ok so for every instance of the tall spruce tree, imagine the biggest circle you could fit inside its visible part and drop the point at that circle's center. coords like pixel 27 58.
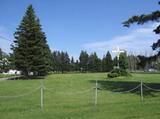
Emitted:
pixel 30 49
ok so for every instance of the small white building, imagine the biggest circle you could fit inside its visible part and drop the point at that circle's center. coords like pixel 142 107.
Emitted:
pixel 12 72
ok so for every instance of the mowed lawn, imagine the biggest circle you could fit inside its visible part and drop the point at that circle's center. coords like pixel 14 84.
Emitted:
pixel 72 96
pixel 5 75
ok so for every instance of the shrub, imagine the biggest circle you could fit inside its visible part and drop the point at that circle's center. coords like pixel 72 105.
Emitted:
pixel 118 72
pixel 113 75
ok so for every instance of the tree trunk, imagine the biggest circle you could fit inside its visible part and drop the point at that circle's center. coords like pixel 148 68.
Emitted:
pixel 26 76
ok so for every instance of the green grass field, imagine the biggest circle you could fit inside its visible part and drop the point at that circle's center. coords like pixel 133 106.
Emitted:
pixel 5 75
pixel 71 96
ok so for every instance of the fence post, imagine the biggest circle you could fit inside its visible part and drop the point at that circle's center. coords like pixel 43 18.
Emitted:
pixel 41 95
pixel 96 94
pixel 141 91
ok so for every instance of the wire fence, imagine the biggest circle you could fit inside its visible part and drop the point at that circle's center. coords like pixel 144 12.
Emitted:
pixel 69 94
pixel 92 91
pixel 153 89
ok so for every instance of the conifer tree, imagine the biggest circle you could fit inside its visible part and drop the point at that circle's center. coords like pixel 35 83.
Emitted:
pixel 123 61
pixel 72 64
pixel 30 49
pixel 107 63
pixel 83 58
pixel 94 63
pixel 77 67
pixel 145 18
pixel 67 62
pixel 0 54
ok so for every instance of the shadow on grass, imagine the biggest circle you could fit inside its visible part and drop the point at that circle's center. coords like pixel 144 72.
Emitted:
pixel 123 86
pixel 24 78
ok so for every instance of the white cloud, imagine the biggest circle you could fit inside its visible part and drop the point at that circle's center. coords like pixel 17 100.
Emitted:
pixel 137 41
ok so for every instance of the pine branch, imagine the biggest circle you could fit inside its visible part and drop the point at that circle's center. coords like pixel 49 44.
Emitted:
pixel 140 20
pixel 157 30
pixel 156 45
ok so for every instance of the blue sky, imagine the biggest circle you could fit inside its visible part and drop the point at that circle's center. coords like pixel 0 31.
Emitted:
pixel 75 25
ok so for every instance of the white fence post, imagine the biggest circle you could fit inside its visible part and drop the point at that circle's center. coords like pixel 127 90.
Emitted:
pixel 96 94
pixel 141 91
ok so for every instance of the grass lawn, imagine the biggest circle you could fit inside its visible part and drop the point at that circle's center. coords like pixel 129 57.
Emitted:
pixel 71 96
pixel 5 75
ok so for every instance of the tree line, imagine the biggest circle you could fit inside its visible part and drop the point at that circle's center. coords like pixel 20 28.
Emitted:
pixel 62 62
pixel 86 63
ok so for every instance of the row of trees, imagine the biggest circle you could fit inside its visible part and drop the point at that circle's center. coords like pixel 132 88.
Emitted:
pixel 61 62
pixel 87 62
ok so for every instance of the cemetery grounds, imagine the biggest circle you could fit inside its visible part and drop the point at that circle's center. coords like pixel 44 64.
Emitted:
pixel 78 96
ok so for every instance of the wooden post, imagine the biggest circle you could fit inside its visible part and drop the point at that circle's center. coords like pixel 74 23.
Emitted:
pixel 141 91
pixel 96 94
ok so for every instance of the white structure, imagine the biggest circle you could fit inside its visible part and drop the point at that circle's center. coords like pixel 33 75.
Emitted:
pixel 13 72
pixel 118 51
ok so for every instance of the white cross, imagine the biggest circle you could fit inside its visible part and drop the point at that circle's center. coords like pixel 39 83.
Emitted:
pixel 118 51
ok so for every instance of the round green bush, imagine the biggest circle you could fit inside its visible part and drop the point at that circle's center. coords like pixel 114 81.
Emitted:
pixel 118 72
pixel 112 75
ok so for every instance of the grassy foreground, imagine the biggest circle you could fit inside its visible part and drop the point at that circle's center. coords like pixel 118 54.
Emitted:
pixel 5 75
pixel 71 96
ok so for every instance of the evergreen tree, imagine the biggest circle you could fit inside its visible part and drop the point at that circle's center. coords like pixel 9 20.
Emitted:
pixel 72 60
pixel 94 63
pixel 107 63
pixel 0 54
pixel 55 61
pixel 30 49
pixel 143 61
pixel 72 64
pixel 62 62
pixel 12 61
pixel 77 68
pixel 144 18
pixel 83 58
pixel 123 61
pixel 115 62
pixel 67 62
